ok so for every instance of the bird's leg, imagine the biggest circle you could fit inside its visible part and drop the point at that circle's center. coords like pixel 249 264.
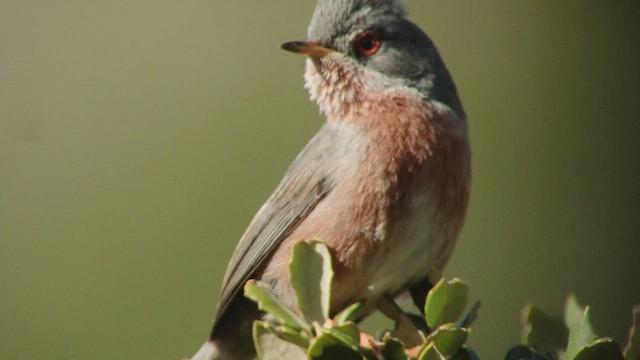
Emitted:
pixel 393 311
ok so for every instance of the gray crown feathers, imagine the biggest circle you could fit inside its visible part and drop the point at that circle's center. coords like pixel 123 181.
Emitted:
pixel 331 16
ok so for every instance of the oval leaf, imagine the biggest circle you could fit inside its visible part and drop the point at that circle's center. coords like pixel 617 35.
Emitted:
pixel 446 302
pixel 581 332
pixel 351 313
pixel 601 349
pixel 349 329
pixel 327 347
pixel 311 274
pixel 267 302
pixel 298 337
pixel 448 339
pixel 270 347
pixel 541 330
pixel 393 349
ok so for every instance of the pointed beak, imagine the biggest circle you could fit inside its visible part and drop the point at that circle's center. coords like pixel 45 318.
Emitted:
pixel 308 48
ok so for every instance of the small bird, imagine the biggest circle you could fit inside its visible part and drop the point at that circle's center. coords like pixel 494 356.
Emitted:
pixel 384 183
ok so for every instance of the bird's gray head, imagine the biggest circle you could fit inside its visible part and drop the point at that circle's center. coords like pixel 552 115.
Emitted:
pixel 374 35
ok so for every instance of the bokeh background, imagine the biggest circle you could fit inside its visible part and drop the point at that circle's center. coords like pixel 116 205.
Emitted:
pixel 138 138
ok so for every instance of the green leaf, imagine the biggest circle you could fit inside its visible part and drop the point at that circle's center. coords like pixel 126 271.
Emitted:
pixel 349 329
pixel 345 339
pixel 448 338
pixel 446 302
pixel 393 349
pixel 311 274
pixel 430 353
pixel 632 350
pixel 601 349
pixel 269 346
pixel 541 330
pixel 351 313
pixel 262 295
pixel 298 337
pixel 328 347
pixel 581 332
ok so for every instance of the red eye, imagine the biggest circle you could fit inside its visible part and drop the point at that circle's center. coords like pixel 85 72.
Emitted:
pixel 367 43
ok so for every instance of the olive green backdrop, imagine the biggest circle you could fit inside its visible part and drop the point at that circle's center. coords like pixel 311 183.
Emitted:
pixel 138 138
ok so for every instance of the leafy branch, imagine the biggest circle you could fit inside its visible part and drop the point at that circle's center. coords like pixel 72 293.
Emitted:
pixel 313 334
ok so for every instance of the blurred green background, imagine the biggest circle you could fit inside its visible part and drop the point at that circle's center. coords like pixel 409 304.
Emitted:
pixel 138 138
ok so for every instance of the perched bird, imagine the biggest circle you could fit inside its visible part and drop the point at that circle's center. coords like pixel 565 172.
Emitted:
pixel 384 182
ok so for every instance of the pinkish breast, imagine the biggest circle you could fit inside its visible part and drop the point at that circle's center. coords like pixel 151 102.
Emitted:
pixel 401 192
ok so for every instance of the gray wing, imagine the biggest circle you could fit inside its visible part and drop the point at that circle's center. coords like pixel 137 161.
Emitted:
pixel 304 185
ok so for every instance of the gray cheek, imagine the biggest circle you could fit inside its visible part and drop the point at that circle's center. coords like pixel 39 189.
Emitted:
pixel 395 63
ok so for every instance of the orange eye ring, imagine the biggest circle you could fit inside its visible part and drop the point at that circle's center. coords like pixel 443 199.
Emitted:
pixel 367 43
